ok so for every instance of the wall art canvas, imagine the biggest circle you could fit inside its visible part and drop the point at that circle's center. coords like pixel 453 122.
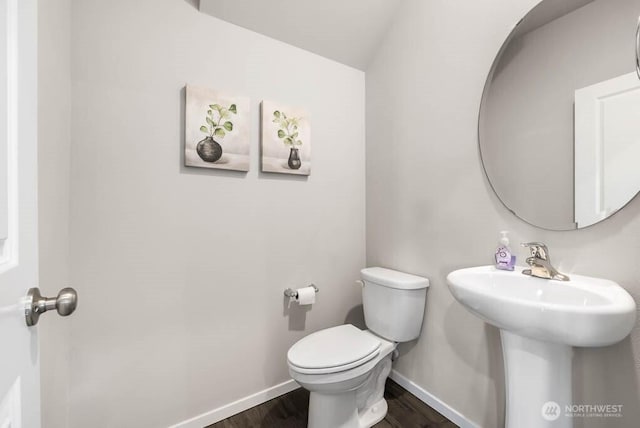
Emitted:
pixel 286 139
pixel 217 133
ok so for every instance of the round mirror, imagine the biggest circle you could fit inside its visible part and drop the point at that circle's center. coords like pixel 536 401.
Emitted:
pixel 559 127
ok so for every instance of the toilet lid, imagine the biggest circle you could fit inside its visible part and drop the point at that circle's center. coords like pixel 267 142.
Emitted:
pixel 333 349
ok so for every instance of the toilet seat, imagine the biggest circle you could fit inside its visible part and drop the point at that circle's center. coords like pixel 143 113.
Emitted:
pixel 333 350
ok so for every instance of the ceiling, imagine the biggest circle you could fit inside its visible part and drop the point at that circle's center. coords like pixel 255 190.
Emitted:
pixel 347 31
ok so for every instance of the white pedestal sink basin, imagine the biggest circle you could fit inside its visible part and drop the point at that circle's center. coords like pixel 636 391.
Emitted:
pixel 539 321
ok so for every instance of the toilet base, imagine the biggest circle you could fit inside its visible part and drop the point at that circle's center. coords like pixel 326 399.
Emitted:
pixel 339 411
pixel 359 407
pixel 333 410
pixel 373 414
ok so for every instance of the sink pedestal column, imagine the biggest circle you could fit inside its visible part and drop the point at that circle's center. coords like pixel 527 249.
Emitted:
pixel 537 375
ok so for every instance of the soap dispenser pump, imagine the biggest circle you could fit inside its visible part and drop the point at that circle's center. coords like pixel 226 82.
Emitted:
pixel 505 259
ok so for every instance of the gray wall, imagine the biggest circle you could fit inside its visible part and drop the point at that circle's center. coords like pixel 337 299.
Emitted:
pixel 430 209
pixel 527 141
pixel 181 271
pixel 54 131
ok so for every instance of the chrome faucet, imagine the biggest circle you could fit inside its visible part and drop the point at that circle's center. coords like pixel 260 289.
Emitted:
pixel 540 263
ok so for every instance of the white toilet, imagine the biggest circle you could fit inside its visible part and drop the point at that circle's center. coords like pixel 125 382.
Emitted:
pixel 345 368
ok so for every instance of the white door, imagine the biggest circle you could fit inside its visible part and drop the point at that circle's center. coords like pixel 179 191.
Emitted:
pixel 19 362
pixel 607 147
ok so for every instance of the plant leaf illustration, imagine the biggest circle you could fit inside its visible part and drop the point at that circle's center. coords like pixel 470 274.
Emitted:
pixel 288 128
pixel 216 125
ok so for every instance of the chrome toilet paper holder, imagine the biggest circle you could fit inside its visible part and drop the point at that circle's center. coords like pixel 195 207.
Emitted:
pixel 293 294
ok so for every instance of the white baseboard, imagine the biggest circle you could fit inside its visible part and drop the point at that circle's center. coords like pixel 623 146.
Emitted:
pixel 432 401
pixel 216 415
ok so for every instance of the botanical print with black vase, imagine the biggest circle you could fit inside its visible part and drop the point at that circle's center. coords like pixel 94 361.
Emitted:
pixel 286 142
pixel 217 133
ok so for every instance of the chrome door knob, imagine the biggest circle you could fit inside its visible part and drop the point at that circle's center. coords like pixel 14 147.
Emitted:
pixel 65 303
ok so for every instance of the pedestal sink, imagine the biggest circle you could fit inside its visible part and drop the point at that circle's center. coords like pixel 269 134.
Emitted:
pixel 539 321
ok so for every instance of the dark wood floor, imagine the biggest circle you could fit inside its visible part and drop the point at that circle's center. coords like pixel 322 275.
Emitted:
pixel 290 411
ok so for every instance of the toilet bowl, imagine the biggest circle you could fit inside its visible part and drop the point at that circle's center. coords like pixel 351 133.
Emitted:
pixel 345 368
pixel 346 388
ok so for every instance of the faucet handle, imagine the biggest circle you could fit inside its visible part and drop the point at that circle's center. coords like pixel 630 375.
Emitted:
pixel 538 249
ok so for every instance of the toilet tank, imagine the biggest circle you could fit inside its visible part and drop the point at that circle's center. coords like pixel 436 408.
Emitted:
pixel 394 303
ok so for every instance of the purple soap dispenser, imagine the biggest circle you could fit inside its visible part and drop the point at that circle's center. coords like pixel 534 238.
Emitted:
pixel 505 259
